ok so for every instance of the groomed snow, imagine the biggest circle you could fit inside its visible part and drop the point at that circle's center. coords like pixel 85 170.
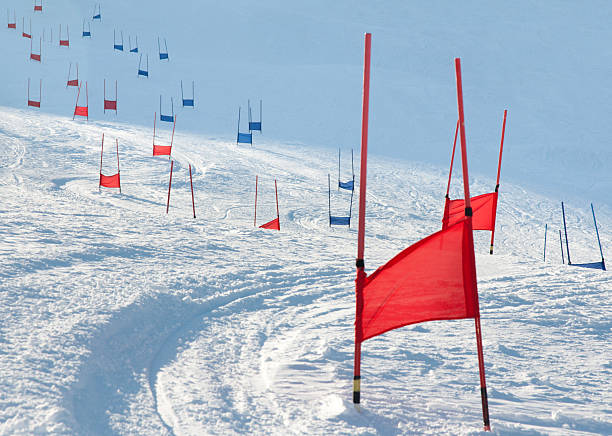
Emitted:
pixel 117 318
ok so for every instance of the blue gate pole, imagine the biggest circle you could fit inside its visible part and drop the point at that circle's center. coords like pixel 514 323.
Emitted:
pixel 569 262
pixel 545 231
pixel 561 242
pixel 603 263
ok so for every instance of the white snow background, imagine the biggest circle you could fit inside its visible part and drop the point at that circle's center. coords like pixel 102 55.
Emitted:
pixel 116 318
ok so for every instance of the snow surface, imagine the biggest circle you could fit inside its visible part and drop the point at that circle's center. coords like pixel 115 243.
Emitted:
pixel 116 318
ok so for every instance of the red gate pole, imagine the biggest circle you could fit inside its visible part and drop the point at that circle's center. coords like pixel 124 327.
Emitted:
pixel 28 91
pixel 501 149
pixel 118 169
pixel 104 95
pixel 116 98
pixel 101 154
pixel 359 263
pixel 277 214
pixel 192 197
pixel 173 127
pixel 255 219
pixel 154 118
pixel 77 102
pixel 169 186
pixel 87 100
pixel 468 214
pixel 40 91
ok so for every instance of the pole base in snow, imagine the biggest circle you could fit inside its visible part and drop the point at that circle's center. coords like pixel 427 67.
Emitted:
pixel 356 389
pixel 487 428
pixel 491 250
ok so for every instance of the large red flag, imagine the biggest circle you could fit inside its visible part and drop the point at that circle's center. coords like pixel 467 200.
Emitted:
pixel 434 279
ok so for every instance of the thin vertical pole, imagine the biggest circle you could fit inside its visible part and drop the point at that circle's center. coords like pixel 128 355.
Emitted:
pixel 501 149
pixel 116 98
pixel 192 197
pixel 329 197
pixel 40 91
pixel 118 168
pixel 182 96
pixel 77 101
pixel 28 91
pixel 468 214
pixel 338 168
pixel 359 261
pixel 193 92
pixel 154 119
pixel 255 218
pixel 67 80
pixel 249 111
pixel 561 242
pixel 238 130
pixel 603 263
pixel 545 231
pixel 450 171
pixel 101 154
pixel 569 262
pixel 105 95
pixel 169 186
pixel 87 100
pixel 277 213
pixel 353 169
pixel 173 128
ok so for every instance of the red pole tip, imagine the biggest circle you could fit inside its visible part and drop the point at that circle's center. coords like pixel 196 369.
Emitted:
pixel 487 428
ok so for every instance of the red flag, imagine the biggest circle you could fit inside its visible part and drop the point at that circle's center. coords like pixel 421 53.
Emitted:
pixel 110 181
pixel 272 225
pixel 484 209
pixel 434 279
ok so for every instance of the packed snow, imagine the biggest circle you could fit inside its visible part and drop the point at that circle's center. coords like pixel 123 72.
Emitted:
pixel 117 318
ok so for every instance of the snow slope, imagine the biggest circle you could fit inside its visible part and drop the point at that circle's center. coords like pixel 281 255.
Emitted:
pixel 120 319
pixel 116 318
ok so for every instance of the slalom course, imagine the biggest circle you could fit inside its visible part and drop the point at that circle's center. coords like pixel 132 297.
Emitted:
pixel 64 42
pixel 594 265
pixel 109 104
pixel 36 56
pixel 407 290
pixel 82 111
pixel 255 125
pixel 24 34
pixel 188 102
pixel 113 181
pixel 163 54
pixel 143 72
pixel 116 45
pixel 190 184
pixel 162 150
pixel 275 223
pixel 72 82
pixel 484 207
pixel 35 103
pixel 243 138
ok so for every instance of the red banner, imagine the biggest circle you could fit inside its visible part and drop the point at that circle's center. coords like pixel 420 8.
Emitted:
pixel 110 181
pixel 484 209
pixel 434 279
pixel 272 225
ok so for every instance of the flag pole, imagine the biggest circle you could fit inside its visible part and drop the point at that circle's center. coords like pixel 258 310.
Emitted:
pixel 468 214
pixel 192 197
pixel 255 218
pixel 359 263
pixel 569 262
pixel 501 149
pixel 277 212
pixel 545 231
pixel 169 186
pixel 450 173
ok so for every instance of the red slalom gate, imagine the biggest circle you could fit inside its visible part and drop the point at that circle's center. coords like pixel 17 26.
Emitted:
pixel 275 223
pixel 113 181
pixel 82 111
pixel 34 103
pixel 190 183
pixel 110 104
pixel 162 150
pixel 36 56
pixel 434 279
pixel 73 82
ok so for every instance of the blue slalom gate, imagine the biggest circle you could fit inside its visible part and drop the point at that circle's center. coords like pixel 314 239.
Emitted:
pixel 593 265
pixel 97 15
pixel 116 45
pixel 166 118
pixel 163 54
pixel 255 125
pixel 141 72
pixel 188 102
pixel 86 32
pixel 350 184
pixel 133 49
pixel 243 138
pixel 338 220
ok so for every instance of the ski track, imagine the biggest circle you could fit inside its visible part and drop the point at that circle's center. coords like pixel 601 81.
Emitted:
pixel 130 321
